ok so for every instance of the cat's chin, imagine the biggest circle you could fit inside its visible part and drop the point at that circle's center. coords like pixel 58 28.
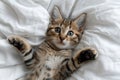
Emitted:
pixel 63 46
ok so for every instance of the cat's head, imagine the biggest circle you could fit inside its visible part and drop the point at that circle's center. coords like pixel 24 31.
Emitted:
pixel 65 33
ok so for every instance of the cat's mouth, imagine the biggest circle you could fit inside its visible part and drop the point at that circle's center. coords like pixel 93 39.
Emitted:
pixel 61 42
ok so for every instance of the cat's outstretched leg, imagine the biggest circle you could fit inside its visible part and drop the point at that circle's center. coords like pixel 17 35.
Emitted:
pixel 71 65
pixel 25 49
pixel 85 55
pixel 20 43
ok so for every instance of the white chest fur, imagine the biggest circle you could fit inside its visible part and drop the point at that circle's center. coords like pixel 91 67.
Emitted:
pixel 53 62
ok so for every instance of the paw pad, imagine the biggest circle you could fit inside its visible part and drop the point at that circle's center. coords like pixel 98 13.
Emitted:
pixel 16 43
pixel 86 55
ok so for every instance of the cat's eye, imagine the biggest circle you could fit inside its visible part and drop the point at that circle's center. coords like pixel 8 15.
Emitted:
pixel 70 33
pixel 57 29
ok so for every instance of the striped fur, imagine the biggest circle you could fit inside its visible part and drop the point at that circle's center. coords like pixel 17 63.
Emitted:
pixel 53 59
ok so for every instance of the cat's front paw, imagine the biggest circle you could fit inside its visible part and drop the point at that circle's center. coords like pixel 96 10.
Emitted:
pixel 87 54
pixel 19 42
pixel 16 42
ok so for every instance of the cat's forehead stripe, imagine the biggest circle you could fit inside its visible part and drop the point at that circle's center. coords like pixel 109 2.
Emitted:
pixel 66 23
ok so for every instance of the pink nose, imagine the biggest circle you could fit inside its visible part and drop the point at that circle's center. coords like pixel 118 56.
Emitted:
pixel 62 38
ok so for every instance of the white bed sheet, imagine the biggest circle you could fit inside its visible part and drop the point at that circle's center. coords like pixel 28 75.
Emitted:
pixel 29 19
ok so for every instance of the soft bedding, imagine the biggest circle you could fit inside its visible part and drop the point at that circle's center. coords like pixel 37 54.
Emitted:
pixel 30 18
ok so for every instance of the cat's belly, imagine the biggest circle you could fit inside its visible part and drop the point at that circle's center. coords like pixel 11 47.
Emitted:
pixel 53 62
pixel 51 67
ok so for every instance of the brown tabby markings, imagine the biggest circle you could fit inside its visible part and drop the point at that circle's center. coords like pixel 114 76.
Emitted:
pixel 65 25
pixel 52 59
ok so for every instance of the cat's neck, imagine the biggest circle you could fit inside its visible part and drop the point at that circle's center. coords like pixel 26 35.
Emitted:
pixel 52 46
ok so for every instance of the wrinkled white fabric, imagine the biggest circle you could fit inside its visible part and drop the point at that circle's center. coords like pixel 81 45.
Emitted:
pixel 29 19
pixel 19 17
pixel 102 33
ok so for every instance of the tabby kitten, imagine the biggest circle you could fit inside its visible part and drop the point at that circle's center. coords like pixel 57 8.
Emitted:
pixel 53 59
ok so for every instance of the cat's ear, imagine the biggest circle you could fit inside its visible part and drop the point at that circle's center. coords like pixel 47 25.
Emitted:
pixel 56 14
pixel 80 21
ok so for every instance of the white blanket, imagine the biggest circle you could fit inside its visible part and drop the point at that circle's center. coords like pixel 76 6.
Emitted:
pixel 29 18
